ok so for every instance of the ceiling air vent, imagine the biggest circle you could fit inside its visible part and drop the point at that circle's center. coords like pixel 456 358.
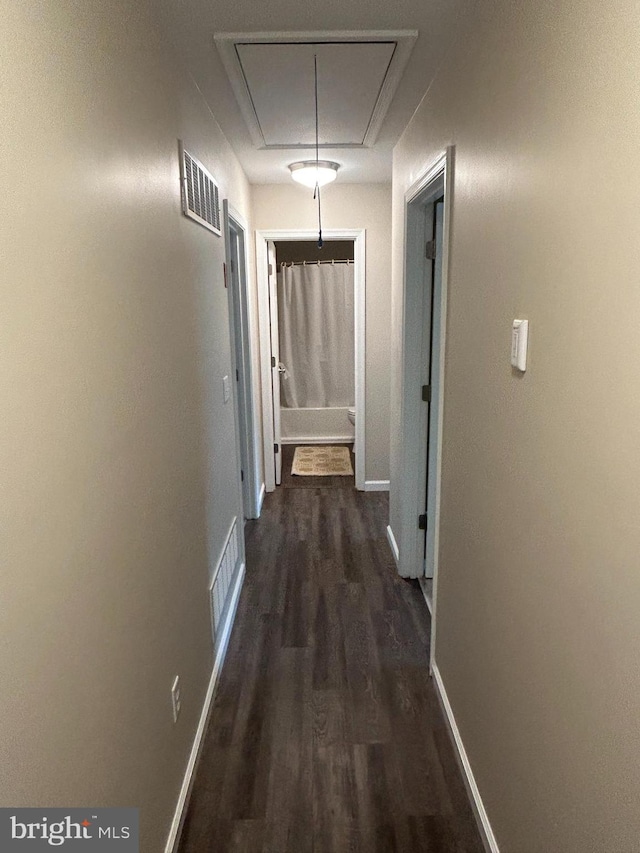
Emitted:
pixel 200 193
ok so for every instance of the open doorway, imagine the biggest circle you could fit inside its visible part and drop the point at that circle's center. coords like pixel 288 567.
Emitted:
pixel 318 397
pixel 315 302
pixel 427 210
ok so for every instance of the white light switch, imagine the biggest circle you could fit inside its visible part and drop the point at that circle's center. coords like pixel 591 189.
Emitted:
pixel 226 389
pixel 519 340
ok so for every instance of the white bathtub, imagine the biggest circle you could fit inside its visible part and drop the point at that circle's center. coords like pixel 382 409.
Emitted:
pixel 316 426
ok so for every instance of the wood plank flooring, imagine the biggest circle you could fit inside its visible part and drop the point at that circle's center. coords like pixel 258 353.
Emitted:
pixel 326 735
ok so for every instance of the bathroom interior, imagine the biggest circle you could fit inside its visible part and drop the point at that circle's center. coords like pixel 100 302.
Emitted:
pixel 315 292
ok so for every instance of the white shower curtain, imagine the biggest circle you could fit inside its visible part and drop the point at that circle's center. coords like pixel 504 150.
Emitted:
pixel 315 316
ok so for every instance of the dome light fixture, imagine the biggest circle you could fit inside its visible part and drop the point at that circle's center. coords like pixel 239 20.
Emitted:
pixel 314 173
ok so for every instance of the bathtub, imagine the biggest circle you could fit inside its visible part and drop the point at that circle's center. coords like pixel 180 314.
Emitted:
pixel 316 426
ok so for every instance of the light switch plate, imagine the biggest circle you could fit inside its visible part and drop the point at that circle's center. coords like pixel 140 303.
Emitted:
pixel 226 389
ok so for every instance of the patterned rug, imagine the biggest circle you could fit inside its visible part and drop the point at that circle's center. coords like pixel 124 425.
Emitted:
pixel 322 461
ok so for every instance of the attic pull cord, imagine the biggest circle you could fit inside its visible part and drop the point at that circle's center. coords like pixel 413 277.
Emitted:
pixel 316 192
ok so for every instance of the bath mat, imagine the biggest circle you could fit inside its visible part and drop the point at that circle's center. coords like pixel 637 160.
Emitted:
pixel 322 461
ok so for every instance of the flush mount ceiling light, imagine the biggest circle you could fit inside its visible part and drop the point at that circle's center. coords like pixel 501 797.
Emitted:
pixel 314 173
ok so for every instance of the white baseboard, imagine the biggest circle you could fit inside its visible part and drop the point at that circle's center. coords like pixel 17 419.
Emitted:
pixel 187 782
pixel 376 485
pixel 428 600
pixel 488 838
pixel 263 491
pixel 393 545
pixel 316 439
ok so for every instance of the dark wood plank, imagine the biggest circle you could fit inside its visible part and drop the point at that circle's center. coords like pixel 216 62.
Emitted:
pixel 326 735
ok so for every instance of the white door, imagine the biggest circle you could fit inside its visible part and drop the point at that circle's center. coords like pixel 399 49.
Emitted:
pixel 275 360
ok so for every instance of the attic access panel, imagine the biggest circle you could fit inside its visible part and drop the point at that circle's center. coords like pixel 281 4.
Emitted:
pixel 273 79
pixel 281 84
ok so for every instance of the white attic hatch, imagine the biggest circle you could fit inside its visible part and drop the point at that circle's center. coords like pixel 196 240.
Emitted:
pixel 272 75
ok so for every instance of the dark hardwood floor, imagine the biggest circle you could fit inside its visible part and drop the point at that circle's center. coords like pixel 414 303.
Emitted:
pixel 326 735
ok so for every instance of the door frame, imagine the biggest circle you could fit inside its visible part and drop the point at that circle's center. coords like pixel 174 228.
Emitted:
pixel 241 325
pixel 358 235
pixel 435 181
pixel 274 340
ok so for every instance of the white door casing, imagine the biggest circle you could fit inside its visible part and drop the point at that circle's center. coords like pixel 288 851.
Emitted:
pixel 274 338
pixel 241 320
pixel 435 182
pixel 262 240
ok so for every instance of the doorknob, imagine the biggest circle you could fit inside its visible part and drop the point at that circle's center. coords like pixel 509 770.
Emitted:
pixel 281 368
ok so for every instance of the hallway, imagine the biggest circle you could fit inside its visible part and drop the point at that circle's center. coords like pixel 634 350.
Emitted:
pixel 326 734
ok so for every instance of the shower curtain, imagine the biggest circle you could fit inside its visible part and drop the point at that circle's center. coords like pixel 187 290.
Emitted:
pixel 315 316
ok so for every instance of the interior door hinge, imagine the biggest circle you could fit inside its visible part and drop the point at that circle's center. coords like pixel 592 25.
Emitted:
pixel 237 375
pixel 276 448
pixel 270 269
pixel 431 250
pixel 426 393
pixel 273 361
pixel 422 522
pixel 241 476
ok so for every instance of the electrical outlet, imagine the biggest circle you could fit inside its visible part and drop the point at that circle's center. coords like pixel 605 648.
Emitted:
pixel 176 698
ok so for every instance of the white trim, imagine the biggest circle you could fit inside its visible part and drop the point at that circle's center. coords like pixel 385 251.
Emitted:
pixel 429 176
pixel 264 336
pixel 393 544
pixel 358 235
pixel 488 838
pixel 423 587
pixel 263 492
pixel 416 346
pixel 317 439
pixel 274 339
pixel 436 180
pixel 448 167
pixel 244 327
pixel 360 335
pixel 376 485
pixel 189 775
pixel 404 39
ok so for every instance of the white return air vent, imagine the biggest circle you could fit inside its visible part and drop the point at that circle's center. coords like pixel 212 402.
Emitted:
pixel 200 193
pixel 222 579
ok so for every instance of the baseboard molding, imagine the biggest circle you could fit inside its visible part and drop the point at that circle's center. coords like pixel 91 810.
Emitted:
pixel 393 545
pixel 376 485
pixel 221 651
pixel 263 491
pixel 488 838
pixel 428 601
pixel 314 439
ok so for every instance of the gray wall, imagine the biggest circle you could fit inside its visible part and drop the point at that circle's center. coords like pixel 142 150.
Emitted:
pixel 538 633
pixel 114 343
pixel 284 206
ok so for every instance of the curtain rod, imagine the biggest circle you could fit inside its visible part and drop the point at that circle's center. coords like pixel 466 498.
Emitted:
pixel 313 263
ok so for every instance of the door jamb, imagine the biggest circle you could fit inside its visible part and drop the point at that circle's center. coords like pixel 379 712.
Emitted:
pixel 243 325
pixel 358 237
pixel 436 180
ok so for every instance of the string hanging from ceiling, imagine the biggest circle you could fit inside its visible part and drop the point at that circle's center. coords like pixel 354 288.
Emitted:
pixel 317 189
pixel 315 173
